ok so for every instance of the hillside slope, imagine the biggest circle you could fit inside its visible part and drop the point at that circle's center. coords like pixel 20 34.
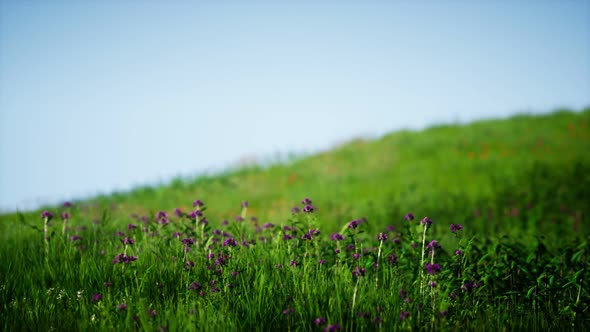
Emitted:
pixel 491 175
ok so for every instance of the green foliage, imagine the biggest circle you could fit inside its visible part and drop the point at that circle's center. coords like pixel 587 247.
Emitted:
pixel 520 188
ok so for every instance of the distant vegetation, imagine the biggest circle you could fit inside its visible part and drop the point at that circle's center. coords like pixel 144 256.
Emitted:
pixel 499 240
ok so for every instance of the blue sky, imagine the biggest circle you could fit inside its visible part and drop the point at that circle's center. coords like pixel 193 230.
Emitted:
pixel 102 96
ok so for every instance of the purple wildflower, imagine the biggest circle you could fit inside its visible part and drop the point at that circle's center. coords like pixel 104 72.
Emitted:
pixel 68 204
pixel 225 222
pixel 47 215
pixel 288 311
pixel 239 218
pixel 287 237
pixel 188 241
pixel 162 218
pixel 127 241
pixel 65 216
pixel 403 315
pixel 306 201
pixel 458 252
pixel 409 217
pixel 319 321
pixel 230 241
pixel 122 307
pixel 354 224
pixel 178 213
pixel 293 263
pixel 432 284
pixel 333 327
pixel 336 237
pixel 392 259
pixel 356 256
pixel 322 261
pixel 443 313
pixel 195 214
pixel 433 245
pixel 96 297
pixel 390 228
pixel 198 203
pixel 75 238
pixel 432 268
pixel 131 226
pixel 195 286
pixel 426 221
pixel 268 225
pixel 152 312
pixel 309 235
pixel 295 210
pixel 359 271
pixel 308 209
pixel 245 204
pixel 382 237
pixel 456 227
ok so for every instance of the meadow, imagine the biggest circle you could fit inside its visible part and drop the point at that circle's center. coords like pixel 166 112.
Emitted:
pixel 482 226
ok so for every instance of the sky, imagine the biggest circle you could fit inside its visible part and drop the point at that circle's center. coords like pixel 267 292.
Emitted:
pixel 102 96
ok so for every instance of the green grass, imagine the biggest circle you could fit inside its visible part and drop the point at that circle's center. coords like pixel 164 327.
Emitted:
pixel 519 186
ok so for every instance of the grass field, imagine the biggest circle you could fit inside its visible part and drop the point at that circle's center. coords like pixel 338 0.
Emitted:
pixel 481 226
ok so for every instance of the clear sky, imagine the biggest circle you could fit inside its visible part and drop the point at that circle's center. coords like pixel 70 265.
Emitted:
pixel 98 96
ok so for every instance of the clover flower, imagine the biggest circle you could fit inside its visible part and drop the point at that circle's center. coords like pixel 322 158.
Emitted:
pixel 295 210
pixel 121 307
pixel 198 203
pixel 306 201
pixel 65 216
pixel 382 237
pixel 96 297
pixel 409 217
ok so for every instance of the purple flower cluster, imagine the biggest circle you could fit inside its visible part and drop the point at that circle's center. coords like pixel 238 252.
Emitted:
pixel 409 217
pixel 47 215
pixel 432 268
pixel 456 227
pixel 198 203
pixel 426 222
pixel 122 307
pixel 382 237
pixel 127 241
pixel 337 237
pixel 355 223
pixel 359 271
pixel 432 246
pixel 162 218
pixel 309 235
pixel 122 258
pixel 195 286
pixel 65 216
pixel 333 327
pixel 403 315
pixel 96 297
pixel 319 321
pixel 229 242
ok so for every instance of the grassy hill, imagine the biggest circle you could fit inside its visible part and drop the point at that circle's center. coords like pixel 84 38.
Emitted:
pixel 520 188
pixel 476 174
